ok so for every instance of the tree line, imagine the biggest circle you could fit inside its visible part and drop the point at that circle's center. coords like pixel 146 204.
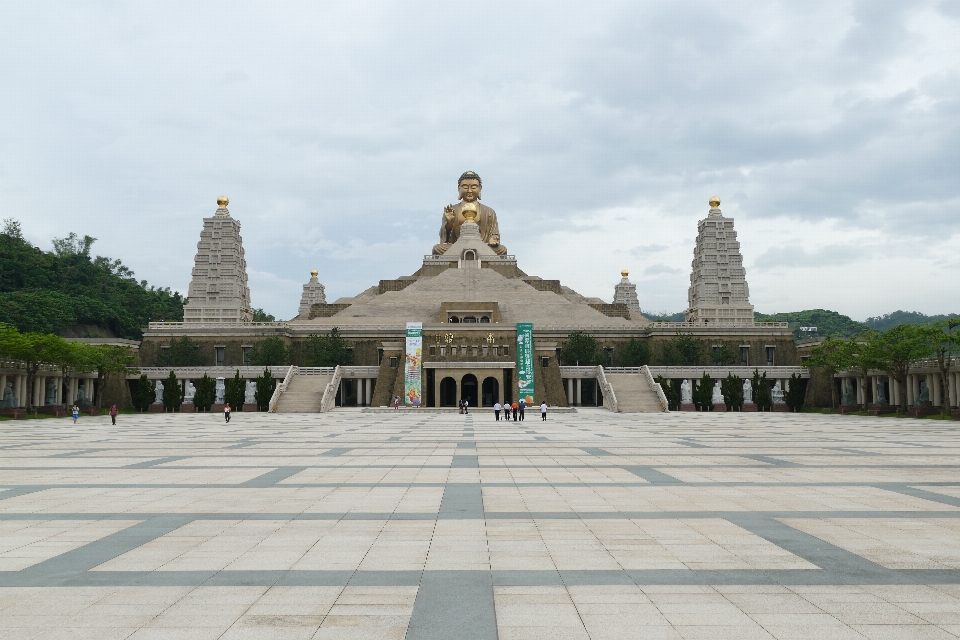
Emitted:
pixel 326 350
pixel 895 352
pixel 57 291
pixel 33 350
pixel 681 350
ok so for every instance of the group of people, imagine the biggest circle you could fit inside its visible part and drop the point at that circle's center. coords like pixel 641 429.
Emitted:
pixel 517 408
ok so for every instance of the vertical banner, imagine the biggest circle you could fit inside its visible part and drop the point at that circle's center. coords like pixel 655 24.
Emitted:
pixel 525 362
pixel 412 390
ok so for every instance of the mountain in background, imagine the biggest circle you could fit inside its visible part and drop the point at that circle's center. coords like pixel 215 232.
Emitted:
pixel 70 293
pixel 886 321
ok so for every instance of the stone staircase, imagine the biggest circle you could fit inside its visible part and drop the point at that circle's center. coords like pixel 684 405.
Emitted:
pixel 634 394
pixel 303 394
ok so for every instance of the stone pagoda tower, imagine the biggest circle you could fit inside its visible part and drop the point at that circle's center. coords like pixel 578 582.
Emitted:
pixel 313 293
pixel 218 291
pixel 718 286
pixel 626 293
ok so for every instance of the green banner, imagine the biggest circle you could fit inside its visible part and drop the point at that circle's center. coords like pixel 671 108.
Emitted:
pixel 412 391
pixel 525 362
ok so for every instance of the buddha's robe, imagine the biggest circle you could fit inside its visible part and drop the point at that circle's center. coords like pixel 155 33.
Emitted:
pixel 488 229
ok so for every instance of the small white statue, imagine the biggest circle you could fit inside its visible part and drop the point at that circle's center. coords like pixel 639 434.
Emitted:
pixel 881 393
pixel 82 398
pixel 747 392
pixel 158 391
pixel 924 394
pixel 249 393
pixel 686 395
pixel 51 393
pixel 776 394
pixel 221 391
pixel 717 393
pixel 849 396
pixel 191 391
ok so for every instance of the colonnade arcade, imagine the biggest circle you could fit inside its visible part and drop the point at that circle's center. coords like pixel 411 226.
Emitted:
pixel 880 388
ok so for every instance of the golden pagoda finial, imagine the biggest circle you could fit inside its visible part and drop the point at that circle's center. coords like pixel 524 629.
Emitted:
pixel 624 273
pixel 714 202
pixel 314 273
pixel 223 201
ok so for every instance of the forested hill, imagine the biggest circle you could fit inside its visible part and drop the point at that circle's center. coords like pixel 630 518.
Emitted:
pixel 70 293
pixel 828 323
pixel 888 320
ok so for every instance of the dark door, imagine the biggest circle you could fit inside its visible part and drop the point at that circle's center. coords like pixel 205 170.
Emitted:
pixel 491 391
pixel 468 389
pixel 448 392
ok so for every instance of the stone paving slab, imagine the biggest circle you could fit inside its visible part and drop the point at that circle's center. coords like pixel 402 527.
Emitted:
pixel 436 525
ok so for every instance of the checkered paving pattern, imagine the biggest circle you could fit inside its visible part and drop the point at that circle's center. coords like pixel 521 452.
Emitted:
pixel 424 525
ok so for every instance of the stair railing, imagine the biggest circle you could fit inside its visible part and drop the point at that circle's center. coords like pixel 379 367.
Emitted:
pixel 664 405
pixel 275 398
pixel 329 399
pixel 609 397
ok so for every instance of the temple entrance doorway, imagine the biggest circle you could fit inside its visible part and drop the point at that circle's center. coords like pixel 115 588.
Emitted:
pixel 468 390
pixel 448 392
pixel 490 391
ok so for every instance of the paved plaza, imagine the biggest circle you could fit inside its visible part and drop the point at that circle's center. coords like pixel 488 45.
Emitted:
pixel 426 525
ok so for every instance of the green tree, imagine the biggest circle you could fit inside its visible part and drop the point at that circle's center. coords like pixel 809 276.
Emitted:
pixel 181 352
pixel 172 393
pixel 259 315
pixel 796 392
pixel 683 349
pixel 144 394
pixel 328 350
pixel 33 350
pixel 265 388
pixel 108 359
pixel 732 389
pixel 761 390
pixel 270 352
pixel 864 355
pixel 897 349
pixel 671 391
pixel 636 353
pixel 703 393
pixel 236 386
pixel 581 350
pixel 724 354
pixel 205 394
pixel 830 356
pixel 943 342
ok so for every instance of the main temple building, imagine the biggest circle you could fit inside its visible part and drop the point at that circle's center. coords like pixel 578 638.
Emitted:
pixel 468 297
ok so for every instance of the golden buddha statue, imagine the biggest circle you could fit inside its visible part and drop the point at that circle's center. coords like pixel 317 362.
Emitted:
pixel 469 187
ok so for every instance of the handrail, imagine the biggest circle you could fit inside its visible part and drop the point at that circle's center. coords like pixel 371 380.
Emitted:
pixel 275 398
pixel 329 399
pixel 609 397
pixel 664 405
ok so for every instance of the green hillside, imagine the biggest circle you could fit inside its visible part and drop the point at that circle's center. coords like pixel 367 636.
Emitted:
pixel 888 320
pixel 828 323
pixel 68 292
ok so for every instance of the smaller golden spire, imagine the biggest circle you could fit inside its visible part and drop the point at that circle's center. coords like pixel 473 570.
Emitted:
pixel 469 211
pixel 624 273
pixel 223 201
pixel 714 202
pixel 314 273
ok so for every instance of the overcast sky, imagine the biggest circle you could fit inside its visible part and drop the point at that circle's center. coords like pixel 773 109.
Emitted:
pixel 830 130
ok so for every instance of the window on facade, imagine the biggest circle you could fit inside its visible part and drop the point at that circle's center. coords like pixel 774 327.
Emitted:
pixel 433 351
pixel 393 362
pixel 506 350
pixel 744 355
pixel 246 355
pixel 454 319
pixel 544 361
pixel 770 351
pixel 220 355
pixel 470 319
pixel 485 319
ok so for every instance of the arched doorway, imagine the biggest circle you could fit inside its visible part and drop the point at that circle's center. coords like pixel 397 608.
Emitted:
pixel 468 389
pixel 490 391
pixel 448 392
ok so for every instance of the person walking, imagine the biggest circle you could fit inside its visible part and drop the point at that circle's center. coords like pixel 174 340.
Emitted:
pixel 543 411
pixel 113 414
pixel 76 413
pixel 506 411
pixel 226 412
pixel 523 405
pixel 466 407
pixel 496 410
pixel 396 403
pixel 515 408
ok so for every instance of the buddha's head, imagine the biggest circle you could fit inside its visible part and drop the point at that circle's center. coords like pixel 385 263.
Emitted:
pixel 470 186
pixel 470 212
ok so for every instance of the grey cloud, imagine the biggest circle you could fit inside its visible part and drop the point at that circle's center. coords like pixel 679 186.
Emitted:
pixel 660 269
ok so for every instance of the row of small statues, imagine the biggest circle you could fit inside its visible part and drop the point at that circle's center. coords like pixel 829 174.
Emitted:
pixel 249 392
pixel 686 393
pixel 10 400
